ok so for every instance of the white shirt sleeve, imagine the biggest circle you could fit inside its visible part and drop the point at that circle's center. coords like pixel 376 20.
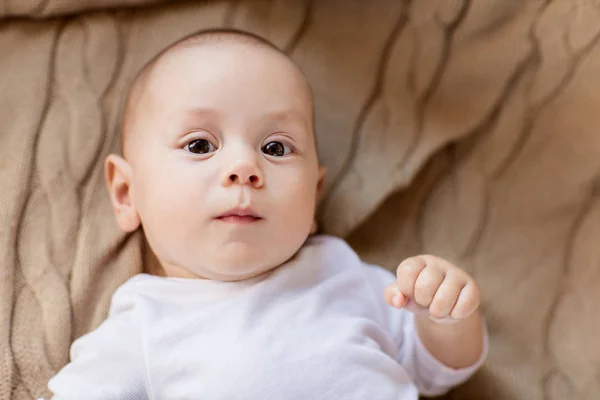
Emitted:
pixel 107 363
pixel 430 376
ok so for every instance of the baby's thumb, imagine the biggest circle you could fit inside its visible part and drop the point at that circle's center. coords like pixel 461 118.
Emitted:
pixel 394 297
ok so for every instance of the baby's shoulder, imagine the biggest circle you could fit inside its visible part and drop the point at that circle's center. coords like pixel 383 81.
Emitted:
pixel 138 283
pixel 336 255
pixel 132 292
pixel 330 248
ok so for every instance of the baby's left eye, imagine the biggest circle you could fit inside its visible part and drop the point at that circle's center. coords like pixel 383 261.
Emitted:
pixel 276 149
pixel 200 146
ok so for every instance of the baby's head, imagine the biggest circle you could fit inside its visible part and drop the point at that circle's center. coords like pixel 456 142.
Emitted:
pixel 219 158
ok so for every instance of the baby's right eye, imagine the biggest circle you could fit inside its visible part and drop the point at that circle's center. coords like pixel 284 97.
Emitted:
pixel 200 146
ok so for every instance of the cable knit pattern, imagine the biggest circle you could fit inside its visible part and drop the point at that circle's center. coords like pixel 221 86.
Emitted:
pixel 462 128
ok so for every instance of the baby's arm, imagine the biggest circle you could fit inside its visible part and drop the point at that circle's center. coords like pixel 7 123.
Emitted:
pixel 445 293
pixel 107 363
pixel 457 345
pixel 444 340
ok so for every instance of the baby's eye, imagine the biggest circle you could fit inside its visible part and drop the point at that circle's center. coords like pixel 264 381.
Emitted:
pixel 200 146
pixel 276 149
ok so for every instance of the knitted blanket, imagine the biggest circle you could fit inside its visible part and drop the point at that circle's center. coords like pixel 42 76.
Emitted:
pixel 468 129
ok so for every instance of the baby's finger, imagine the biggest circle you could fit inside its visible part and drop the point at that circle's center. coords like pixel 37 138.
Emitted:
pixel 427 284
pixel 407 274
pixel 445 298
pixel 467 303
pixel 393 296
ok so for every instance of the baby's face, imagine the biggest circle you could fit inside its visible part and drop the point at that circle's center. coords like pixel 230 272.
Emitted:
pixel 224 170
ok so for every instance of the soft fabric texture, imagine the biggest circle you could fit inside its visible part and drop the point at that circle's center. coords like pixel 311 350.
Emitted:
pixel 467 129
pixel 314 328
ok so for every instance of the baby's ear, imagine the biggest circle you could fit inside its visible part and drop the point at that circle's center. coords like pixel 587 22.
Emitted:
pixel 118 178
pixel 321 182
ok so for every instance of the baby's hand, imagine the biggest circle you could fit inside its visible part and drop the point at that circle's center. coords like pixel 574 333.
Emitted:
pixel 435 287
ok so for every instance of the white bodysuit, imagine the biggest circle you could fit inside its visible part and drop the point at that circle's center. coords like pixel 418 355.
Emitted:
pixel 316 327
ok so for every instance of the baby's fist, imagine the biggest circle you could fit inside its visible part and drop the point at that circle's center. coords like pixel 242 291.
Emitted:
pixel 433 284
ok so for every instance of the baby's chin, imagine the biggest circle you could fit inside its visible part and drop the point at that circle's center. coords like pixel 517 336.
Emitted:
pixel 228 260
pixel 235 276
pixel 229 272
pixel 238 266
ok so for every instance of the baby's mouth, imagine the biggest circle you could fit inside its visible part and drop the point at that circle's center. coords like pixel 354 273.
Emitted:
pixel 239 216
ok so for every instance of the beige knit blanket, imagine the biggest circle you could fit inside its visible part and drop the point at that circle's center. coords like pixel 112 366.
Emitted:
pixel 468 129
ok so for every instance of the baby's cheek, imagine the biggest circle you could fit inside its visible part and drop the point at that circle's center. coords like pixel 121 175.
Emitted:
pixel 295 218
pixel 298 201
pixel 168 212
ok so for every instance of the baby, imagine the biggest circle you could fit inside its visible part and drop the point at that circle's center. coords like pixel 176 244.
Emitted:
pixel 220 169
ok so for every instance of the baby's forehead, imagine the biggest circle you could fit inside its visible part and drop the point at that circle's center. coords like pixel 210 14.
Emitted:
pixel 156 80
pixel 237 57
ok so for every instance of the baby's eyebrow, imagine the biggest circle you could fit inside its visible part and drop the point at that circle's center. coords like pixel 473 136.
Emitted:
pixel 213 117
pixel 207 114
pixel 290 115
pixel 204 111
pixel 279 115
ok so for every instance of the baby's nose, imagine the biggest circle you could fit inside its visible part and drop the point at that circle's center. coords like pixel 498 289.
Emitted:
pixel 244 173
pixel 243 179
